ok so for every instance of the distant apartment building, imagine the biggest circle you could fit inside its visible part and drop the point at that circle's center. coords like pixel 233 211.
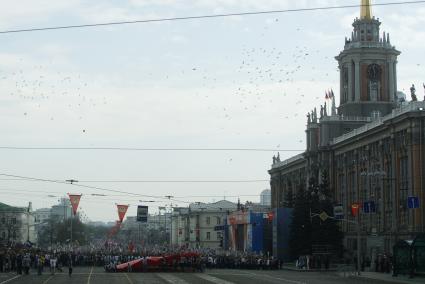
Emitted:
pixel 266 197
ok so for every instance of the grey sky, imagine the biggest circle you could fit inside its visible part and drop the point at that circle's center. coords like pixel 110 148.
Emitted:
pixel 241 82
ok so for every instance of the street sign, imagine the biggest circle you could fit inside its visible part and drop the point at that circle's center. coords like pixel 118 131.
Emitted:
pixel 339 212
pixel 412 202
pixel 142 214
pixel 369 207
pixel 323 216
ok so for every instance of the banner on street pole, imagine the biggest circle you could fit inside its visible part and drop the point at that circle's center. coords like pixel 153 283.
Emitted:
pixel 75 200
pixel 122 209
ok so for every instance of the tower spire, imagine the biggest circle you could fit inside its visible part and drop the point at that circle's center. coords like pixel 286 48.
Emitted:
pixel 366 10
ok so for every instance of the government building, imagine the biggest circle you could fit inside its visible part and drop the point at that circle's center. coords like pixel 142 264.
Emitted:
pixel 371 146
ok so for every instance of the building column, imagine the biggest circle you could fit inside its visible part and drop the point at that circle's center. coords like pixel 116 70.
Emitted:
pixel 350 82
pixel 391 81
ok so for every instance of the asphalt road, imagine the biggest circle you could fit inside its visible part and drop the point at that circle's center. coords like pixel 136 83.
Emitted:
pixel 96 275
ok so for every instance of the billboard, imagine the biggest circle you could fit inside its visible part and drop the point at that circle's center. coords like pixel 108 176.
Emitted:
pixel 142 213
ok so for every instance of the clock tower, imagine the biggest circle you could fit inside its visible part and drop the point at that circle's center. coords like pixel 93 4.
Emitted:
pixel 368 74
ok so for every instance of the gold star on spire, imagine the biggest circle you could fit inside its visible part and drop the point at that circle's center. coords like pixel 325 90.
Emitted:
pixel 366 10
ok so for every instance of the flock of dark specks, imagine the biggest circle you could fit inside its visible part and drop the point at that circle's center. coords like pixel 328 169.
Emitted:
pixel 260 68
pixel 37 85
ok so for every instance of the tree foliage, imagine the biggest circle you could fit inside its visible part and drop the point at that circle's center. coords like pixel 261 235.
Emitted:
pixel 307 229
pixel 59 232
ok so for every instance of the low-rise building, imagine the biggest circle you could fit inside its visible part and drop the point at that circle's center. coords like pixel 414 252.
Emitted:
pixel 201 224
pixel 17 224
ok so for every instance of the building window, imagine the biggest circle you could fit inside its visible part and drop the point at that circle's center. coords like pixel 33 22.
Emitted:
pixel 3 220
pixel 208 236
pixel 14 235
pixel 218 235
pixel 208 220
pixel 218 221
pixel 14 221
pixel 404 187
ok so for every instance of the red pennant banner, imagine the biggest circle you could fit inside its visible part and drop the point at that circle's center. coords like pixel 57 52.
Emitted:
pixel 122 209
pixel 355 209
pixel 75 200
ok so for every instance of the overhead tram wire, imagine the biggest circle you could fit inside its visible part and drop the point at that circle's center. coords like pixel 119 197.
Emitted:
pixel 94 187
pixel 105 189
pixel 82 186
pixel 144 181
pixel 115 197
pixel 186 18
pixel 175 181
pixel 154 149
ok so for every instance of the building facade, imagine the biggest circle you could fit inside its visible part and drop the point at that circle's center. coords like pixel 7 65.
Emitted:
pixel 17 224
pixel 371 146
pixel 201 224
pixel 265 197
pixel 63 210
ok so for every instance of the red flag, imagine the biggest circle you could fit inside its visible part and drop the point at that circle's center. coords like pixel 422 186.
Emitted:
pixel 122 209
pixel 270 216
pixel 75 200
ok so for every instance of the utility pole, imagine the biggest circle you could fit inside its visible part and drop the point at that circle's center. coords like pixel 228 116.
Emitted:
pixel 71 181
pixel 171 225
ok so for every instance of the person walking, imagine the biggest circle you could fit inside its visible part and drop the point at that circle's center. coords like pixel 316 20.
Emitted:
pixel 53 262
pixel 39 264
pixel 70 265
pixel 26 262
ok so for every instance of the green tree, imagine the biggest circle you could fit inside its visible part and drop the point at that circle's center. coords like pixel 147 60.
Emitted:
pixel 300 229
pixel 308 231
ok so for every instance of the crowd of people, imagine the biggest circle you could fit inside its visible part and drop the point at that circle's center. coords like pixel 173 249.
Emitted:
pixel 23 260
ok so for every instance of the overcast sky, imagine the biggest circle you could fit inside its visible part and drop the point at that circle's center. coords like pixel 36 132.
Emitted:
pixel 237 82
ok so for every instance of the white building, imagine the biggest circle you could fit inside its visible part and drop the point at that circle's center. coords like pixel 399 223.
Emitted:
pixel 266 197
pixel 62 211
pixel 42 215
pixel 17 224
pixel 199 225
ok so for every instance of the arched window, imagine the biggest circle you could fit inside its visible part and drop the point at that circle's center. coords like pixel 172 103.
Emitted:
pixel 374 82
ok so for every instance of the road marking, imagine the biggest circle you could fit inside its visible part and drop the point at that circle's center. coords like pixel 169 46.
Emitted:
pixel 8 280
pixel 128 278
pixel 48 279
pixel 91 272
pixel 213 279
pixel 277 278
pixel 227 273
pixel 168 277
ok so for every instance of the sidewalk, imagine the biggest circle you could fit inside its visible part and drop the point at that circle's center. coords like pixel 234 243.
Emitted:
pixel 387 277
